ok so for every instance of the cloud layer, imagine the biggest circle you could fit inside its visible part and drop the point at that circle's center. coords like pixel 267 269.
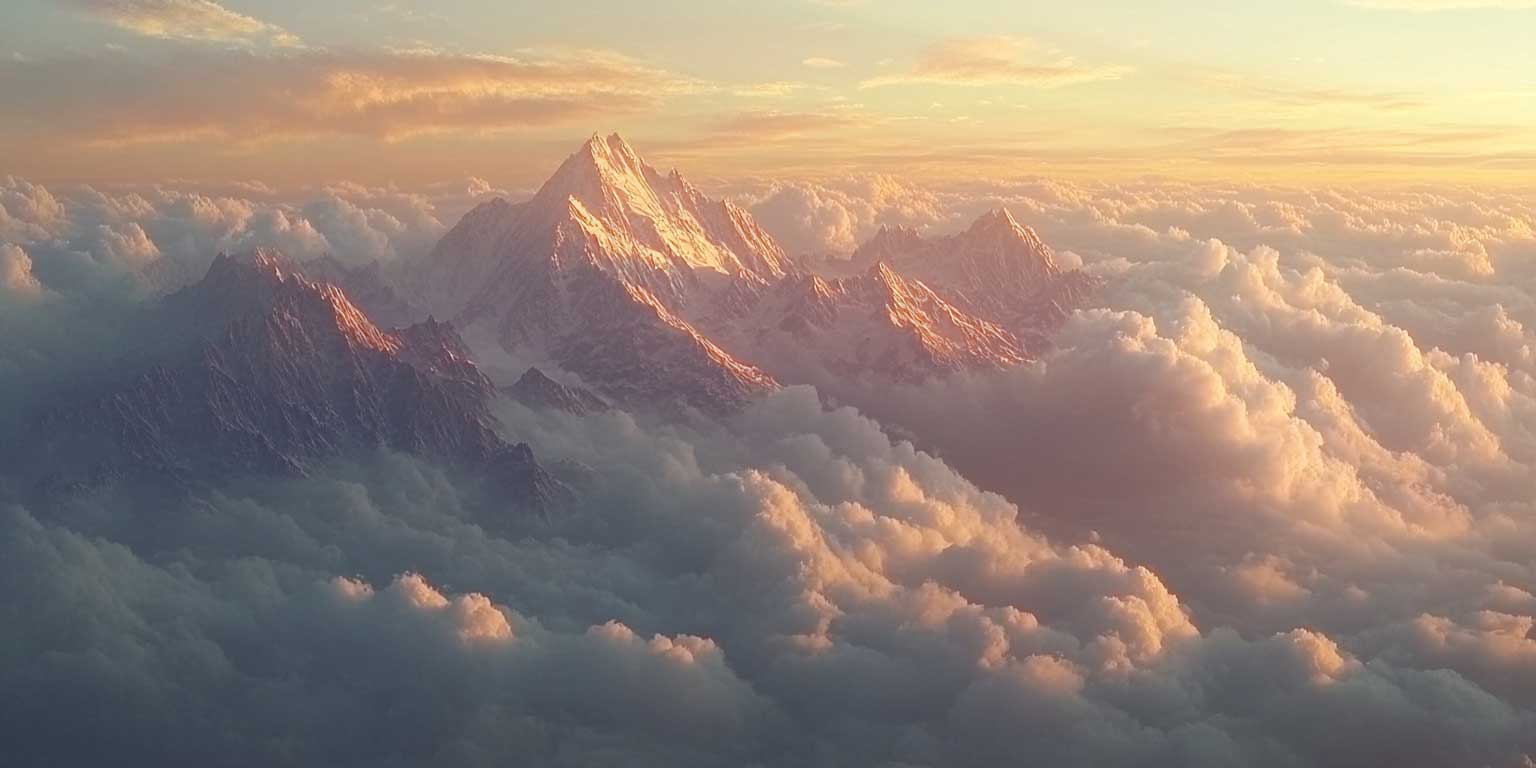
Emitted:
pixel 1268 504
pixel 82 239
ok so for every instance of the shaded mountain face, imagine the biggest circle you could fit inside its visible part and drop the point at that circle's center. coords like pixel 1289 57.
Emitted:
pixel 255 369
pixel 657 295
pixel 536 389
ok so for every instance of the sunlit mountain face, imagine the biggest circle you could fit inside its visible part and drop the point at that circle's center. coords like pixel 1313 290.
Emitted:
pixel 798 384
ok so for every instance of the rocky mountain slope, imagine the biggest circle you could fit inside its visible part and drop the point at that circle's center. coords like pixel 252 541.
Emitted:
pixel 536 389
pixel 256 369
pixel 598 274
pixel 877 323
pixel 996 269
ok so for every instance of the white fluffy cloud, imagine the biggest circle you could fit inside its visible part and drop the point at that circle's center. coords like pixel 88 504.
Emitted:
pixel 810 218
pixel 1269 504
pixel 83 238
pixel 791 587
pixel 16 272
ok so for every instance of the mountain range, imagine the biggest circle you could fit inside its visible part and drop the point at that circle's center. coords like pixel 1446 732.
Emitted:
pixel 631 287
pixel 654 294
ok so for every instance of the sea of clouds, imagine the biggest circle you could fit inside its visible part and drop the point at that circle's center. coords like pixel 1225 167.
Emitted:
pixel 1270 503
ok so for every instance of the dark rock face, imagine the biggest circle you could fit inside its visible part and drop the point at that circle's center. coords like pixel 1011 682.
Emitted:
pixel 537 390
pixel 258 370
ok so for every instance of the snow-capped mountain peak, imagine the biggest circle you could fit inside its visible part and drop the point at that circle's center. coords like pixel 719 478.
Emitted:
pixel 265 281
pixel 634 221
pixel 999 230
pixel 641 285
pixel 996 269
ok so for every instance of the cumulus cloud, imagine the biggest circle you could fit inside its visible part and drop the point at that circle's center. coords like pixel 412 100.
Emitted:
pixel 790 586
pixel 1299 408
pixel 85 239
pixel 16 272
pixel 203 20
pixel 995 61
pixel 808 217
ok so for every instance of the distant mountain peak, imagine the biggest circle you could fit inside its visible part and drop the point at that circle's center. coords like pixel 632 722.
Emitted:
pixel 999 216
pixel 999 224
pixel 536 389
pixel 611 150
pixel 650 291
pixel 606 270
pixel 996 268
pixel 885 279
pixel 257 369
pixel 878 321
pixel 265 264
pixel 265 282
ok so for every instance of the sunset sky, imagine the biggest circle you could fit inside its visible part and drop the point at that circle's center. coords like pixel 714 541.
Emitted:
pixel 291 92
pixel 1101 384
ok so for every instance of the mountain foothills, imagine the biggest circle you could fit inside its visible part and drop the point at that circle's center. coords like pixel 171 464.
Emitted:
pixel 652 293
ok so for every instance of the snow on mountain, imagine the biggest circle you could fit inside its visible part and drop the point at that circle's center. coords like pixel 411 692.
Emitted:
pixel 604 207
pixel 876 323
pixel 256 369
pixel 653 230
pixel 602 272
pixel 652 293
pixel 997 269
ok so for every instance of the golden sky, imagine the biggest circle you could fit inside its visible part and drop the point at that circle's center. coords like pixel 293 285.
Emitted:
pixel 291 92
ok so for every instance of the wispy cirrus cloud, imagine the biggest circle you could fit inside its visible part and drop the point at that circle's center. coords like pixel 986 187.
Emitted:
pixel 1294 95
pixel 1443 5
pixel 203 20
pixel 121 99
pixel 777 125
pixel 982 61
pixel 822 62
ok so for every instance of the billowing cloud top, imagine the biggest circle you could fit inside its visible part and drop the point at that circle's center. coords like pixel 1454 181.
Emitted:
pixel 1269 504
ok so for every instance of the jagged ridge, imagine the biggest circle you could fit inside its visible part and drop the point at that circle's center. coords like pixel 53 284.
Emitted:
pixel 654 294
pixel 604 272
pixel 876 323
pixel 264 371
pixel 536 389
pixel 996 269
